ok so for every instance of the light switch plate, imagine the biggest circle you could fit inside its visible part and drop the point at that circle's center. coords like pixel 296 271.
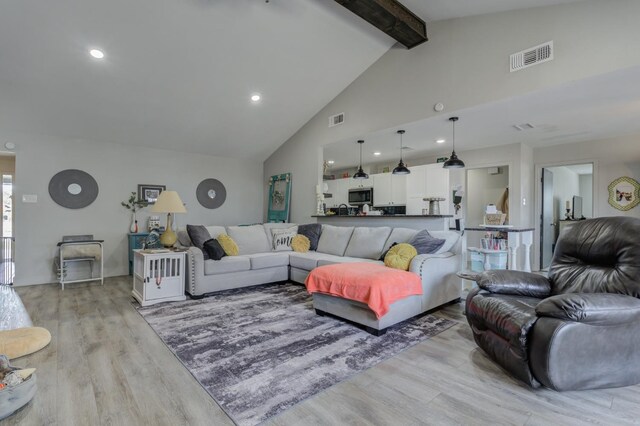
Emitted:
pixel 29 198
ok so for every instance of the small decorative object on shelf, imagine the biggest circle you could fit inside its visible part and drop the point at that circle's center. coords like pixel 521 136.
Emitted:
pixel 458 193
pixel 154 223
pixel 133 204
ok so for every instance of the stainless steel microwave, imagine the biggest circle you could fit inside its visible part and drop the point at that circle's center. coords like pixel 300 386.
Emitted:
pixel 360 196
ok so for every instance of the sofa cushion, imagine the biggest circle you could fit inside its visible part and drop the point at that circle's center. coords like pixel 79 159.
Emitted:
pixel 268 260
pixel 198 235
pixel 275 225
pixel 367 242
pixel 300 243
pixel 281 238
pixel 185 241
pixel 216 231
pixel 400 256
pixel 312 231
pixel 334 239
pixel 250 239
pixel 226 265
pixel 307 261
pixel 332 260
pixel 450 239
pixel 425 243
pixel 398 236
pixel 213 249
pixel 228 245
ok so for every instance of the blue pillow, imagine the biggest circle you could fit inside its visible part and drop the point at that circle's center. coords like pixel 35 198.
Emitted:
pixel 425 243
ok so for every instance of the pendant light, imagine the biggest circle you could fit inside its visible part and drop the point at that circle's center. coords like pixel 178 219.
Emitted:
pixel 453 162
pixel 360 174
pixel 401 169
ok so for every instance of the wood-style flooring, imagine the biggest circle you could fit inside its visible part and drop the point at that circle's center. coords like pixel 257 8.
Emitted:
pixel 106 366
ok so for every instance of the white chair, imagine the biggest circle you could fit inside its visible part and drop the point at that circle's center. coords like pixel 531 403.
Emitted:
pixel 79 248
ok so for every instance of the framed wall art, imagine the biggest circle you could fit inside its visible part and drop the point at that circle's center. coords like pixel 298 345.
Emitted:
pixel 624 193
pixel 150 193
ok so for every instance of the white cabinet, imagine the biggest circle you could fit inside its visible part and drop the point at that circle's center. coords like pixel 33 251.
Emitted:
pixel 389 189
pixel 158 276
pixel 332 188
pixel 429 180
pixel 339 188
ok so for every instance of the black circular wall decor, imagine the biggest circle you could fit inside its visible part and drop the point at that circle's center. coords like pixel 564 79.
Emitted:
pixel 73 189
pixel 211 193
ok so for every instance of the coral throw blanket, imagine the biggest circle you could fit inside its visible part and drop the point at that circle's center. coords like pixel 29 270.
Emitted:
pixel 369 283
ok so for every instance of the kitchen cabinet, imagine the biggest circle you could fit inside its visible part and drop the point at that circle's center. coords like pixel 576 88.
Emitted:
pixel 389 189
pixel 339 188
pixel 332 188
pixel 429 180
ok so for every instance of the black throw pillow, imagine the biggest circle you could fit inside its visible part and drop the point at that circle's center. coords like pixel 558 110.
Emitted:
pixel 213 249
pixel 425 243
pixel 199 235
pixel 312 231
pixel 384 253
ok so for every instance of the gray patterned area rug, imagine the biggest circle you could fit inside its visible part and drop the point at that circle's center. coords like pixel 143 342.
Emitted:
pixel 260 350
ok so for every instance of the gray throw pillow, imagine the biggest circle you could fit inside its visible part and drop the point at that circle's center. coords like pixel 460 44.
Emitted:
pixel 213 249
pixel 199 235
pixel 425 243
pixel 312 231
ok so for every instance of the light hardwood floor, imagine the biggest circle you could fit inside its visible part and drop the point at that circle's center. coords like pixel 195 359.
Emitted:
pixel 106 366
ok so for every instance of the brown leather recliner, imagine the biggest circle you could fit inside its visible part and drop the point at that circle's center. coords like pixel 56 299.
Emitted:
pixel 577 329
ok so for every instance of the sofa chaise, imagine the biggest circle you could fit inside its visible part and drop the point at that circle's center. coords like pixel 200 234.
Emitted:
pixel 258 264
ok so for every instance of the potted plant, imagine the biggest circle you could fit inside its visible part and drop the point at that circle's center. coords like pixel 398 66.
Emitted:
pixel 134 204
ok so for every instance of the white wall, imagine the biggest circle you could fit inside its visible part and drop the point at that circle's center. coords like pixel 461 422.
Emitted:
pixel 482 189
pixel 586 192
pixel 464 64
pixel 118 169
pixel 566 184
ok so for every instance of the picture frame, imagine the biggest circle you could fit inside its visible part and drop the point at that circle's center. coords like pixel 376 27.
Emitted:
pixel 149 193
pixel 624 193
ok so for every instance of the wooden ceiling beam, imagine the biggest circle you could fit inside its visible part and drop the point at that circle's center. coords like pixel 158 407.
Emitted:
pixel 391 17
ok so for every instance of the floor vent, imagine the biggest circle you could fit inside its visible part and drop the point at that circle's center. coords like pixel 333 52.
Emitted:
pixel 337 119
pixel 533 56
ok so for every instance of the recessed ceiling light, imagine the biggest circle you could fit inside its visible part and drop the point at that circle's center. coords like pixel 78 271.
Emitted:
pixel 440 141
pixel 377 153
pixel 255 97
pixel 98 54
pixel 330 162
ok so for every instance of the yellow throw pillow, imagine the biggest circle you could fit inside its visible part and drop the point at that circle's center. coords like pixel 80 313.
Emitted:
pixel 228 245
pixel 399 256
pixel 300 243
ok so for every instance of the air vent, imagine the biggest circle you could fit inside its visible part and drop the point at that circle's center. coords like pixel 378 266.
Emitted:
pixel 533 56
pixel 524 126
pixel 337 119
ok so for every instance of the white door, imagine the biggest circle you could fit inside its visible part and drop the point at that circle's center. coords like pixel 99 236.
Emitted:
pixel 547 226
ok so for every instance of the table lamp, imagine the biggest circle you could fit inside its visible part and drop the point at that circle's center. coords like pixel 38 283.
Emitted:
pixel 168 202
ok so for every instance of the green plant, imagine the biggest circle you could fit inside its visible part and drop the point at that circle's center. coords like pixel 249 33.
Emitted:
pixel 134 203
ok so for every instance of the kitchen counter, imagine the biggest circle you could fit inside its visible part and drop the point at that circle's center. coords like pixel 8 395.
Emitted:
pixel 429 222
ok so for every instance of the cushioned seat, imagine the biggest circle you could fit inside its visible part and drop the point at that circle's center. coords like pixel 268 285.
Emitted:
pixel 308 260
pixel 227 264
pixel 331 260
pixel 268 260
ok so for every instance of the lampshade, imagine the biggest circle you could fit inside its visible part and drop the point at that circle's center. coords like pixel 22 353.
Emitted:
pixel 401 168
pixel 360 174
pixel 453 162
pixel 168 202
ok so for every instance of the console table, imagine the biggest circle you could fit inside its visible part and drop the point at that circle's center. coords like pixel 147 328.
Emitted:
pixel 515 238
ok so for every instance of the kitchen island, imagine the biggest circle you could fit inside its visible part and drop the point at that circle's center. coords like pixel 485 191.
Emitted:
pixel 429 222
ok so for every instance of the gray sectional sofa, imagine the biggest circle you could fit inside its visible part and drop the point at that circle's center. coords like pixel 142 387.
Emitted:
pixel 257 263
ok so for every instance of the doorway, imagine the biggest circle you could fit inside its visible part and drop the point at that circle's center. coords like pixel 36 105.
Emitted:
pixel 567 195
pixel 7 225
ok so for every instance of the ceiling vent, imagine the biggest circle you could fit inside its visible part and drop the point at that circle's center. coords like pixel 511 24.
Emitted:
pixel 336 120
pixel 524 126
pixel 533 56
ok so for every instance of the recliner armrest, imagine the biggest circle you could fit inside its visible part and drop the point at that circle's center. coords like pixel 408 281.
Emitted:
pixel 591 308
pixel 514 282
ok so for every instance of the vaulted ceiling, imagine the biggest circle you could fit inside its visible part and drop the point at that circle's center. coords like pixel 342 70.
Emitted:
pixel 179 74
